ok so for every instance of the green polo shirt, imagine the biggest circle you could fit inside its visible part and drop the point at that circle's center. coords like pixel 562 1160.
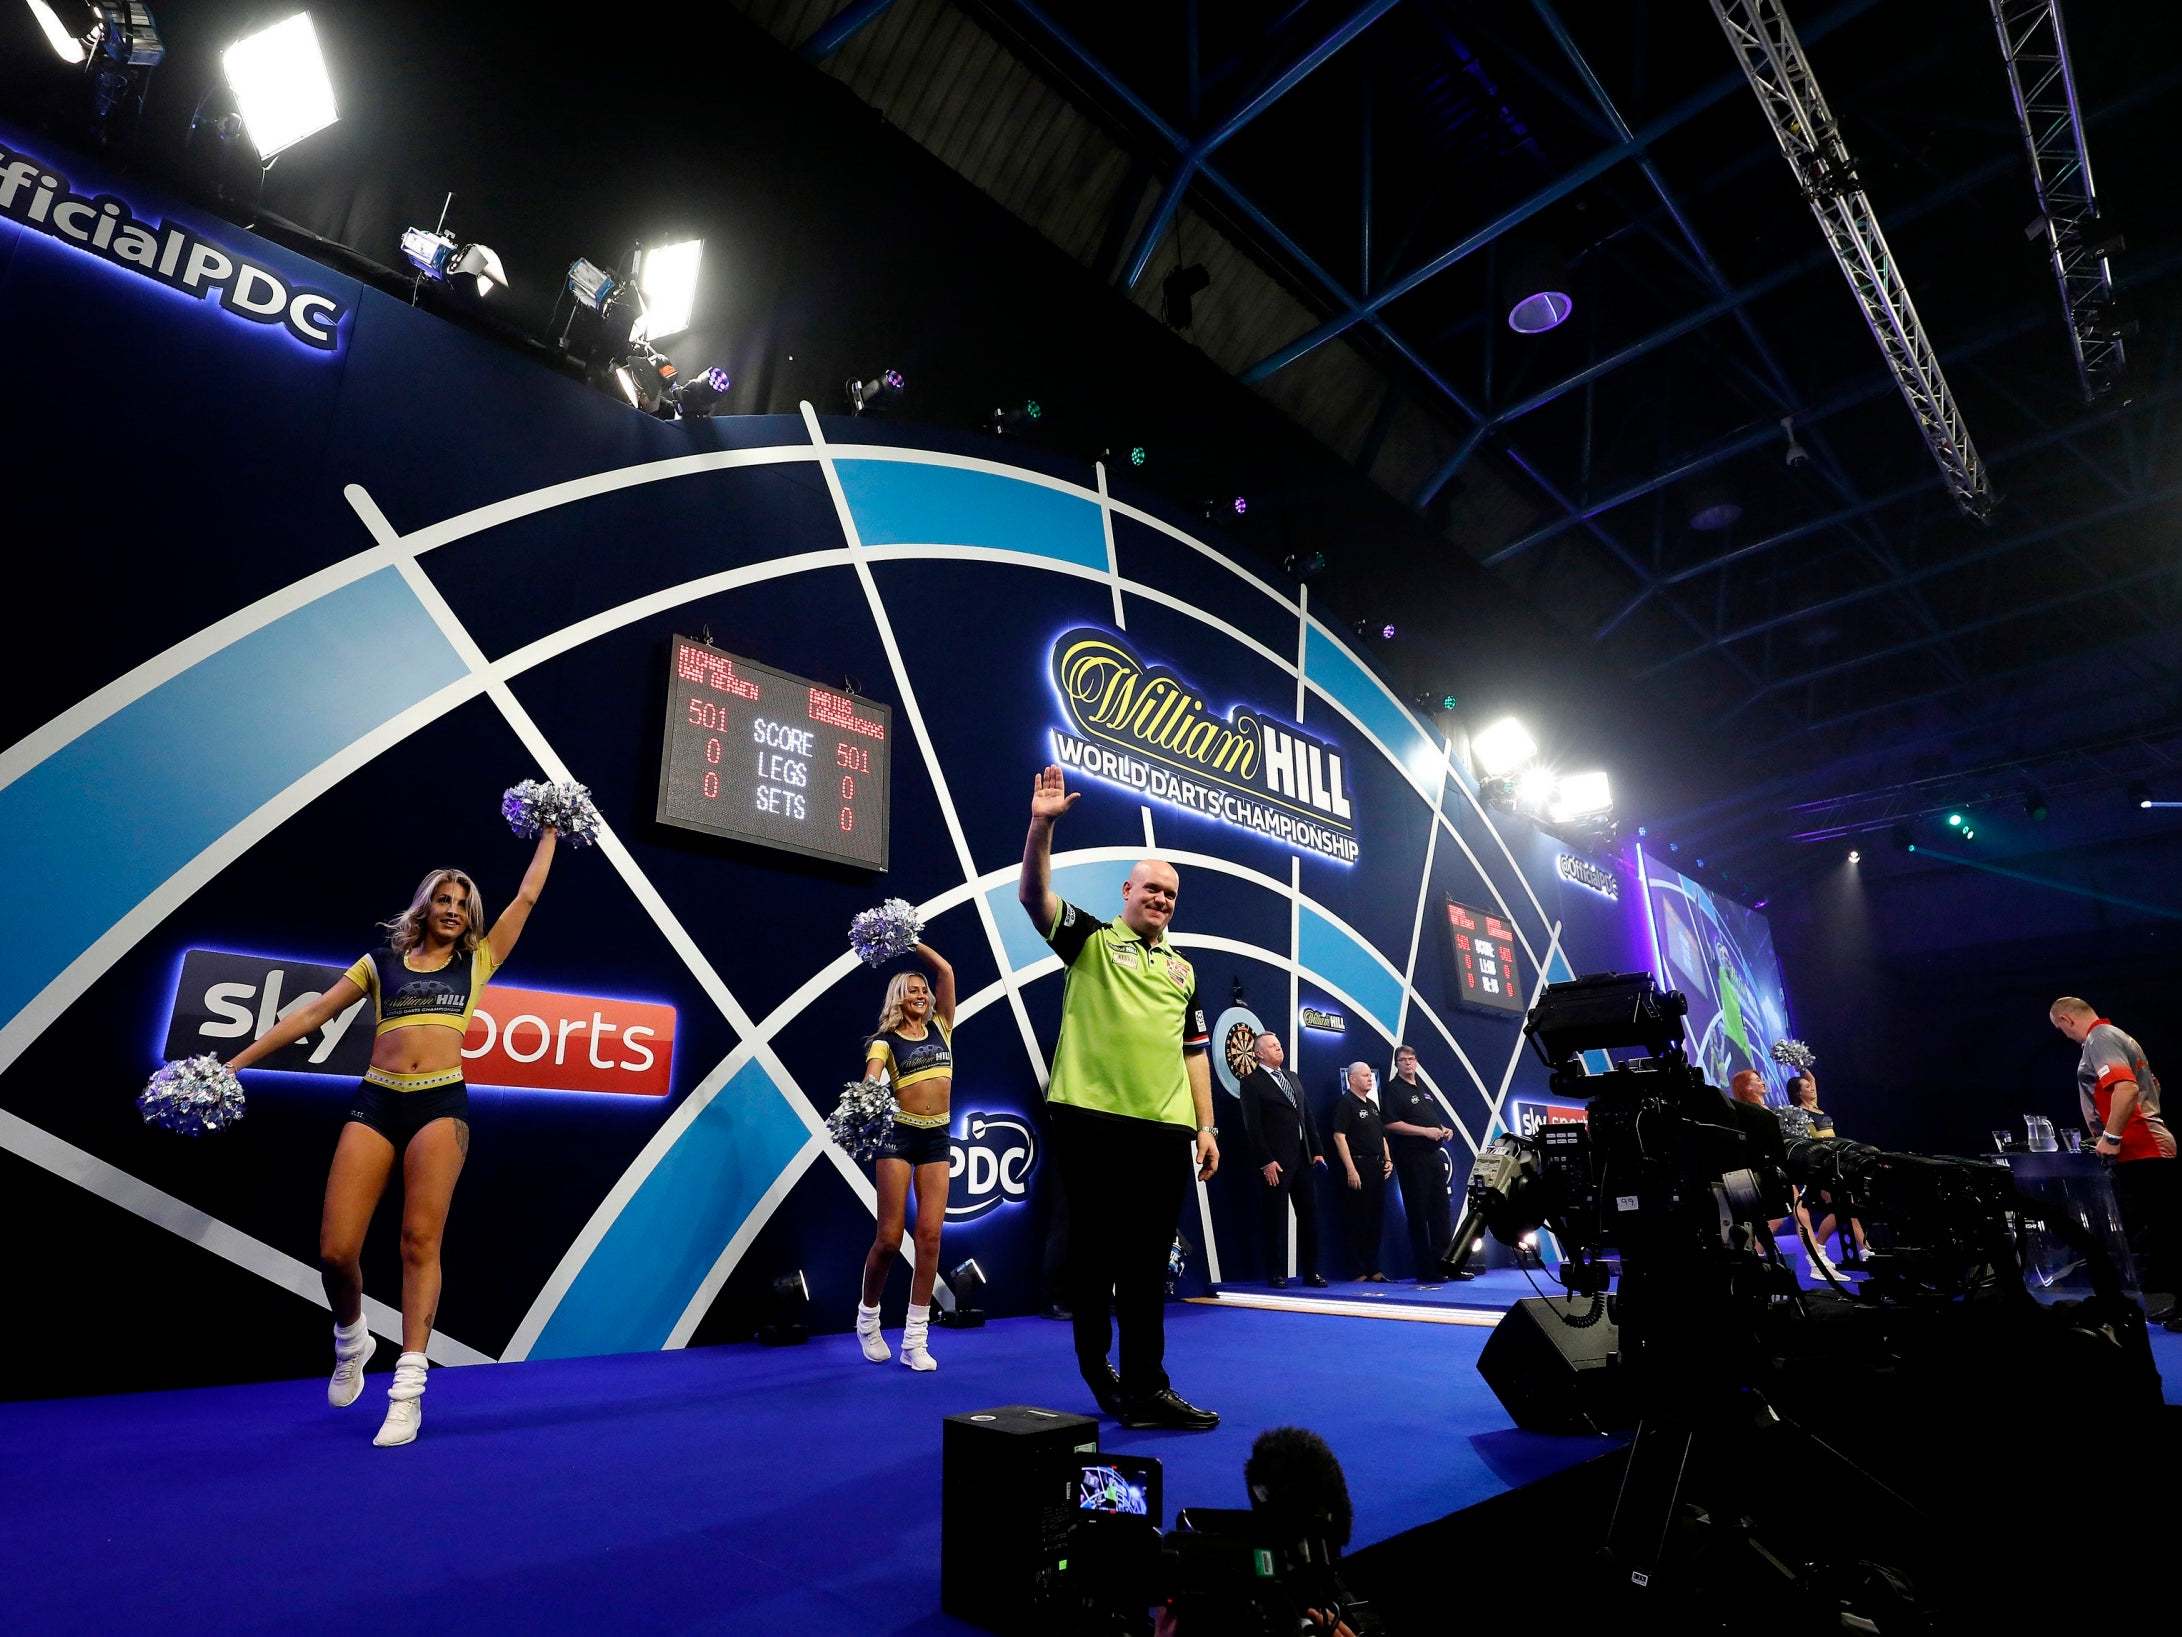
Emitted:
pixel 1128 1016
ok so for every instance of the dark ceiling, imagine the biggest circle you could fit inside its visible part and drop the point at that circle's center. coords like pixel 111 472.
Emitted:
pixel 1860 652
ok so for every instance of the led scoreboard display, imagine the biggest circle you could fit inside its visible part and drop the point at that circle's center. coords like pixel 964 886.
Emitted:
pixel 755 754
pixel 1485 958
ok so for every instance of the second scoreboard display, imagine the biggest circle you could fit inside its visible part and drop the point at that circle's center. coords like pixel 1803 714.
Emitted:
pixel 755 754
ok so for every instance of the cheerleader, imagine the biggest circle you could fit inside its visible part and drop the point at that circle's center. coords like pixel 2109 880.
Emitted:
pixel 411 1109
pixel 914 1046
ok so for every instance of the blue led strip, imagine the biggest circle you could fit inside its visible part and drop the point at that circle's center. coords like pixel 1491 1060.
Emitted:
pixel 102 823
pixel 653 1260
pixel 899 502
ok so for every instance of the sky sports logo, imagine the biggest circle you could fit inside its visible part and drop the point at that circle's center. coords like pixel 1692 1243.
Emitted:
pixel 104 226
pixel 530 1038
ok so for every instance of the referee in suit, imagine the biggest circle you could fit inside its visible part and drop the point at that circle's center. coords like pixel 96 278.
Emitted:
pixel 1284 1144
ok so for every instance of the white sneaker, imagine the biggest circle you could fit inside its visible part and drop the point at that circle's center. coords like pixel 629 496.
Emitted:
pixel 347 1383
pixel 916 1356
pixel 1822 1268
pixel 873 1344
pixel 403 1417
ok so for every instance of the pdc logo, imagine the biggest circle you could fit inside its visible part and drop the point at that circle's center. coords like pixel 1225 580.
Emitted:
pixel 989 1165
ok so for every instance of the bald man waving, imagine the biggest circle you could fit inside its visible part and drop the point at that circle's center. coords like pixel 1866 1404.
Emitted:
pixel 1131 1088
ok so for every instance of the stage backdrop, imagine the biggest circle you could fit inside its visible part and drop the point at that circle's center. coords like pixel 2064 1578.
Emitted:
pixel 345 572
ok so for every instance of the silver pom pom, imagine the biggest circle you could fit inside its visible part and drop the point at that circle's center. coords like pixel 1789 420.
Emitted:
pixel 879 935
pixel 1793 1054
pixel 530 806
pixel 863 1119
pixel 191 1096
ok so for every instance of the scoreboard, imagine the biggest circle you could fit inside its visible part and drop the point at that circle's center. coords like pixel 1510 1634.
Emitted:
pixel 755 754
pixel 1485 966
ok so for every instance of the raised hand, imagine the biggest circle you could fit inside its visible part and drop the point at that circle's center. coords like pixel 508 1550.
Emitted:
pixel 1050 796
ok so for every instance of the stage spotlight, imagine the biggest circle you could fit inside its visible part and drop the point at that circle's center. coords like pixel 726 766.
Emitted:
pixel 700 395
pixel 1642 832
pixel 593 286
pixel 648 379
pixel 1700 863
pixel 1955 820
pixel 1855 857
pixel 787 1310
pixel 1796 454
pixel 1386 633
pixel 1534 282
pixel 68 47
pixel 667 277
pixel 1968 834
pixel 2034 805
pixel 1305 565
pixel 1448 701
pixel 1505 747
pixel 1534 789
pixel 1712 508
pixel 435 255
pixel 1580 795
pixel 1136 455
pixel 1240 504
pixel 967 1285
pixel 882 388
pixel 2139 793
pixel 1178 293
pixel 282 91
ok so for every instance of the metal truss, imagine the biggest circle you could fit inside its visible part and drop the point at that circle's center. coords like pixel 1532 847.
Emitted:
pixel 1772 59
pixel 2034 46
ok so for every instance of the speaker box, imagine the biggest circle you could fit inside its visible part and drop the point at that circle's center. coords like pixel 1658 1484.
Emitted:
pixel 1552 1377
pixel 1005 1507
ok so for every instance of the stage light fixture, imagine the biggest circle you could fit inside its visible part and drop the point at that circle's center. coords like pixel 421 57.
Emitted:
pixel 436 255
pixel 1712 508
pixel 1136 455
pixel 700 396
pixel 1968 834
pixel 1387 633
pixel 1700 863
pixel 1795 453
pixel 593 286
pixel 1955 820
pixel 787 1312
pixel 1305 565
pixel 281 87
pixel 1178 293
pixel 1241 505
pixel 1534 282
pixel 1580 795
pixel 966 1284
pixel 1855 857
pixel 882 388
pixel 1448 701
pixel 666 275
pixel 68 47
pixel 1534 789
pixel 1504 748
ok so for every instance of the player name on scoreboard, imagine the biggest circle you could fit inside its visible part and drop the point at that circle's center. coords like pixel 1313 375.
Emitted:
pixel 755 754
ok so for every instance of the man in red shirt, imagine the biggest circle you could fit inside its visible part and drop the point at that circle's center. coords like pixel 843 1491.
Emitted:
pixel 2119 1094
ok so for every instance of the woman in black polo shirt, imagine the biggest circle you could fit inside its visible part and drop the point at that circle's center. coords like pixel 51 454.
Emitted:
pixel 1360 1139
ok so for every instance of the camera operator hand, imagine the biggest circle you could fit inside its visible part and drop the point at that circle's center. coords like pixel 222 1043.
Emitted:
pixel 1328 1620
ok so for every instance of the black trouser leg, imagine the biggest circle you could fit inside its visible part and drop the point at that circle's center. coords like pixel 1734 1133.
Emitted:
pixel 1303 1189
pixel 1273 1223
pixel 1124 1181
pixel 2145 1190
pixel 1053 1262
pixel 1366 1216
pixel 1417 1183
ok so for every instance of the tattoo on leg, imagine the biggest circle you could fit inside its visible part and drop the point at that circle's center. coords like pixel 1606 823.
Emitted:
pixel 462 1137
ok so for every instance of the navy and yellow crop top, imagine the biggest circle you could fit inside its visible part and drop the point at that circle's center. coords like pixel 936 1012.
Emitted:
pixel 908 1061
pixel 403 996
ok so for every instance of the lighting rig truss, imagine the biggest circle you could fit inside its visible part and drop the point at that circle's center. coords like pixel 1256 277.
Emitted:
pixel 1772 60
pixel 2035 47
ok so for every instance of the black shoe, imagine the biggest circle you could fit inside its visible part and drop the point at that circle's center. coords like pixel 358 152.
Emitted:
pixel 1054 1310
pixel 2157 1311
pixel 1317 1281
pixel 1279 1281
pixel 1107 1392
pixel 1168 1408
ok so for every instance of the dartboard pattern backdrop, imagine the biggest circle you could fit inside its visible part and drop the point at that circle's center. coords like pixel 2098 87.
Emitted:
pixel 336 616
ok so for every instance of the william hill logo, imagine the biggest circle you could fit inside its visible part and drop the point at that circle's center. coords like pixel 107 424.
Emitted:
pixel 1142 727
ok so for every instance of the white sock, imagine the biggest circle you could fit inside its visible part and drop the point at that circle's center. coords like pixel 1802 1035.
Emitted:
pixel 915 1353
pixel 351 1340
pixel 867 1334
pixel 409 1372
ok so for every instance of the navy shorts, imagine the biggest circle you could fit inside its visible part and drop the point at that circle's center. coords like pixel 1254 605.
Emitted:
pixel 918 1144
pixel 398 1114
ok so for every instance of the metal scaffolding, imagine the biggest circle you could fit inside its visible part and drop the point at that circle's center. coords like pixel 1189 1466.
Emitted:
pixel 2035 47
pixel 1772 60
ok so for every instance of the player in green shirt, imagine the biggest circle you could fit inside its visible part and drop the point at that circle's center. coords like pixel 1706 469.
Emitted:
pixel 1131 1083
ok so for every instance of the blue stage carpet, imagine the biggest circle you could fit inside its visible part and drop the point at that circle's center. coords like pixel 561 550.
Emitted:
pixel 729 1488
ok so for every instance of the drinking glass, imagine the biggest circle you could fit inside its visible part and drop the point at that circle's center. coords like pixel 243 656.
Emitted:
pixel 2073 1140
pixel 2004 1140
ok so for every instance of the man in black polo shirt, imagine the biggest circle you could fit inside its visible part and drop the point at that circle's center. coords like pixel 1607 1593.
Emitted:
pixel 1360 1140
pixel 1414 1135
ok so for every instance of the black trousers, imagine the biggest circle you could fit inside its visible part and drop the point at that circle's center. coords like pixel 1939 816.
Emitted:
pixel 2145 1190
pixel 1298 1184
pixel 1124 1181
pixel 1363 1214
pixel 1424 1202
